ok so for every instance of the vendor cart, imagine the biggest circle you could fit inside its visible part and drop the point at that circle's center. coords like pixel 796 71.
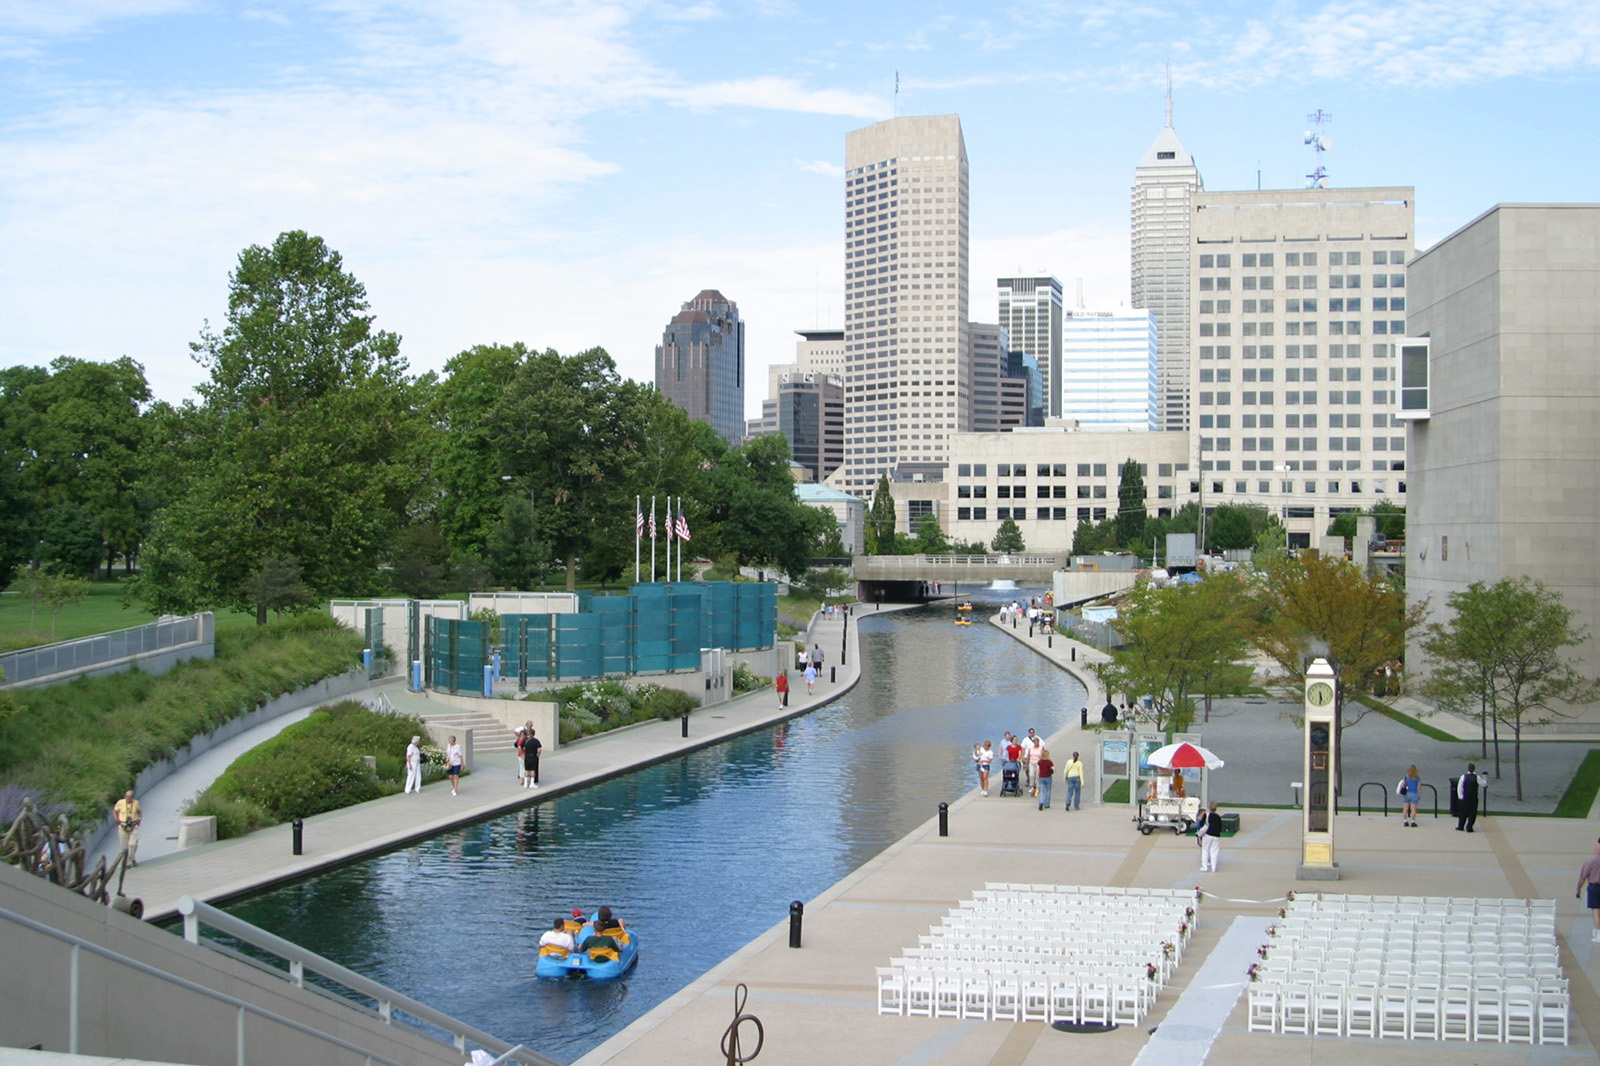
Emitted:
pixel 1179 814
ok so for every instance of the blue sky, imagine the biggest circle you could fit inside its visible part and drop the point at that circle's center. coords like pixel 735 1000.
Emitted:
pixel 567 174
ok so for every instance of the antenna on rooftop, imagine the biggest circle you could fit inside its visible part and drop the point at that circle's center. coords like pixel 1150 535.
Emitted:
pixel 1169 95
pixel 1319 142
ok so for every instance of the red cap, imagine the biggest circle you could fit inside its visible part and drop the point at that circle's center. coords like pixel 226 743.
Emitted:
pixel 576 913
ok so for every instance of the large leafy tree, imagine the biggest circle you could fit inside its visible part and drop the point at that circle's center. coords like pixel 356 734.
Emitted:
pixel 1131 512
pixel 1008 538
pixel 78 439
pixel 881 536
pixel 303 447
pixel 1183 642
pixel 569 431
pixel 1314 605
pixel 1502 655
pixel 466 495
pixel 760 520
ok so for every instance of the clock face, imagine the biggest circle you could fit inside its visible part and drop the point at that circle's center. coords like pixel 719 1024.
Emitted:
pixel 1319 694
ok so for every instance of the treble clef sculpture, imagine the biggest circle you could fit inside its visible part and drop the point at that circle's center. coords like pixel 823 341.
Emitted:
pixel 730 1035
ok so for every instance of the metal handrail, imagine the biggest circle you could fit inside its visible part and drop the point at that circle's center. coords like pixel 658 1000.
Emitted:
pixel 242 1006
pixel 301 960
pixel 1423 784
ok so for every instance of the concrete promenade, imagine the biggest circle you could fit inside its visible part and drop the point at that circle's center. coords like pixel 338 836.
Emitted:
pixel 227 868
pixel 817 1004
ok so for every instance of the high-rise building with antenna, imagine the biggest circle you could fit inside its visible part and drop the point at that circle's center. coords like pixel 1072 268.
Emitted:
pixel 1164 186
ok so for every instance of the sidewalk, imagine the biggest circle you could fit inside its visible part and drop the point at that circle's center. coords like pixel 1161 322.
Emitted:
pixel 212 872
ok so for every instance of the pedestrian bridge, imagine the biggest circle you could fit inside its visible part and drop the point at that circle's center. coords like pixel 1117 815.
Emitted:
pixel 907 577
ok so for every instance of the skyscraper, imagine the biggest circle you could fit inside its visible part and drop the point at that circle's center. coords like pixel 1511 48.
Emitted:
pixel 1164 186
pixel 1108 376
pixel 1030 312
pixel 907 354
pixel 700 363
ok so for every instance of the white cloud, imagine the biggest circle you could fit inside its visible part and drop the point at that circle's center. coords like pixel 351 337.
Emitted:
pixel 821 166
pixel 774 94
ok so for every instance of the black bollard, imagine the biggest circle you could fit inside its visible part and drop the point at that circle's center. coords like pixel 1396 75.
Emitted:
pixel 944 819
pixel 1074 654
pixel 833 674
pixel 1083 715
pixel 685 723
pixel 1049 640
pixel 797 912
pixel 299 828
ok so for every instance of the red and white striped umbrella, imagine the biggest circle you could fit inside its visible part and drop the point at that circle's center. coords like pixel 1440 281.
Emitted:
pixel 1184 756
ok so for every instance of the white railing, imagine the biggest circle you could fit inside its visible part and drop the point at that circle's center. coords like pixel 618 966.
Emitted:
pixel 918 562
pixel 386 1000
pixel 86 653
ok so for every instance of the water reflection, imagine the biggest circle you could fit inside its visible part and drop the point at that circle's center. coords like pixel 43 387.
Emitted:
pixel 699 855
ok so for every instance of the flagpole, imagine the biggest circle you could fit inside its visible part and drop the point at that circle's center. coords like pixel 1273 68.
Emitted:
pixel 652 539
pixel 669 540
pixel 638 535
pixel 680 541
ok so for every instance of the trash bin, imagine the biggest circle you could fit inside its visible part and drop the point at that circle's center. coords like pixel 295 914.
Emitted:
pixel 1230 824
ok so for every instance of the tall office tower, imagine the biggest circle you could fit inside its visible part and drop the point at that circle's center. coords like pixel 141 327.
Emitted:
pixel 1030 311
pixel 989 364
pixel 1108 369
pixel 1022 378
pixel 1164 186
pixel 1299 298
pixel 907 355
pixel 700 363
pixel 820 351
pixel 808 409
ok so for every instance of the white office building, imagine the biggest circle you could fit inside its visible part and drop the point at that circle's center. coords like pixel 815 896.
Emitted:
pixel 907 365
pixel 1108 369
pixel 1164 187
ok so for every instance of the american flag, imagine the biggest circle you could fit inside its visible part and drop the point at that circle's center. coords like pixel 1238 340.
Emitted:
pixel 683 525
pixel 652 519
pixel 638 522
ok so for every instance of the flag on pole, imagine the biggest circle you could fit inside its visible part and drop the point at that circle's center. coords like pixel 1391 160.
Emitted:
pixel 652 518
pixel 638 520
pixel 683 523
pixel 668 524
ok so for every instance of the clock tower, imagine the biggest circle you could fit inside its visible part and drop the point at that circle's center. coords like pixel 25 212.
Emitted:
pixel 1319 801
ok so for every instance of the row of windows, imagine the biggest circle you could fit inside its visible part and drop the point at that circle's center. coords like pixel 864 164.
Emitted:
pixel 1297 305
pixel 1223 375
pixel 1224 260
pixel 1380 419
pixel 1292 397
pixel 1300 444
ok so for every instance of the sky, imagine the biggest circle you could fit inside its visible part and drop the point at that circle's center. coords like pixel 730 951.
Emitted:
pixel 568 174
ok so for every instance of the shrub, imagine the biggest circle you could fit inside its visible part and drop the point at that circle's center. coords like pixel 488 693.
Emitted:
pixel 747 680
pixel 667 703
pixel 235 817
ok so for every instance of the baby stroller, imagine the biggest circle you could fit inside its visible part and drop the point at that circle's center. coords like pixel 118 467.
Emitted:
pixel 1010 774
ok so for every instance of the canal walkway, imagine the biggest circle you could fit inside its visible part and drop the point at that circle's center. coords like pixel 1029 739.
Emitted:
pixel 227 868
pixel 817 1004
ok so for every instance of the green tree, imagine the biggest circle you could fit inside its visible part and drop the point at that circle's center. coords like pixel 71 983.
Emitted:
pixel 464 460
pixel 1183 642
pixel 930 537
pixel 1390 516
pixel 516 557
pixel 1505 647
pixel 421 561
pixel 1272 544
pixel 569 430
pixel 69 540
pixel 1091 538
pixel 1131 510
pixel 881 535
pixel 55 591
pixel 305 445
pixel 1317 606
pixel 758 517
pixel 1008 538
pixel 824 582
pixel 1230 526
pixel 278 586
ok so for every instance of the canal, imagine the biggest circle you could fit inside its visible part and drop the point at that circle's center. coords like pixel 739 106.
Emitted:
pixel 698 856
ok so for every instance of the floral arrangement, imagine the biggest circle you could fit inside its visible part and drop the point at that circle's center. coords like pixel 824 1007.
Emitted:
pixel 1150 970
pixel 1167 948
pixel 1254 972
pixel 1272 930
pixel 1188 912
pixel 1183 928
pixel 1262 950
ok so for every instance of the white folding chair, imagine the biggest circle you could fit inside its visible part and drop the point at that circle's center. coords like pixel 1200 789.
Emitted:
pixel 1294 1012
pixel 947 994
pixel 1555 1002
pixel 1519 1014
pixel 1488 1013
pixel 1424 1024
pixel 1094 1002
pixel 1361 1012
pixel 1034 997
pixel 976 987
pixel 1065 999
pixel 919 993
pixel 891 990
pixel 1127 1001
pixel 1455 1014
pixel 1328 1011
pixel 1394 1012
pixel 1265 1001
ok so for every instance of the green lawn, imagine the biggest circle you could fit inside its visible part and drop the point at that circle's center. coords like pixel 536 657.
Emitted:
pixel 101 612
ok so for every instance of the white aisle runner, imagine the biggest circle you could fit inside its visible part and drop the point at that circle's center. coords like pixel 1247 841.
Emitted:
pixel 1185 1037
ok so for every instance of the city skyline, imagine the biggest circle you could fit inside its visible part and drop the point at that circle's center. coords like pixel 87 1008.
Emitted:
pixel 479 167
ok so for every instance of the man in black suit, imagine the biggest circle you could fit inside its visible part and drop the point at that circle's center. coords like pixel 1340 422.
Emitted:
pixel 1467 799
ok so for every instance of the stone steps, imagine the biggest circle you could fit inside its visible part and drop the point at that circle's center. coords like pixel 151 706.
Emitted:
pixel 489 735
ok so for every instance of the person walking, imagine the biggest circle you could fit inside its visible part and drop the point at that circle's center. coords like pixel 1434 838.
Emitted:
pixel 453 760
pixel 531 746
pixel 805 658
pixel 1074 783
pixel 816 657
pixel 1210 840
pixel 128 815
pixel 1409 785
pixel 1035 749
pixel 414 765
pixel 782 685
pixel 1467 788
pixel 1047 770
pixel 811 678
pixel 985 761
pixel 1590 876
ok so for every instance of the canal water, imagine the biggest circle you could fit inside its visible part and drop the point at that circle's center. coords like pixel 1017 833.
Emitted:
pixel 698 856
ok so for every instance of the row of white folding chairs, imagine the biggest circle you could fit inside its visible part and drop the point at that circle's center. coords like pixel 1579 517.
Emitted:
pixel 1144 945
pixel 1410 940
pixel 1028 929
pixel 1419 926
pixel 1405 976
pixel 1167 913
pixel 1122 999
pixel 1087 890
pixel 1420 957
pixel 984 957
pixel 1518 1014
pixel 1404 905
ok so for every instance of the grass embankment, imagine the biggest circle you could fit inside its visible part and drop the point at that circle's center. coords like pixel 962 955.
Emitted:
pixel 21 626
pixel 78 746
pixel 313 766
pixel 1404 719
pixel 1579 796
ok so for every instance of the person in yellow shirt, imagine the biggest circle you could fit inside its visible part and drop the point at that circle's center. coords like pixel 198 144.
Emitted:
pixel 128 816
pixel 1074 782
